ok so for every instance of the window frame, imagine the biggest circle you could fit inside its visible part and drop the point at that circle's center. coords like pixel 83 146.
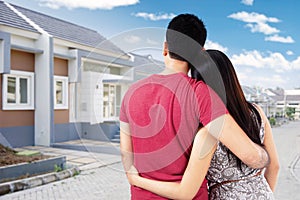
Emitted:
pixel 116 116
pixel 65 92
pixel 30 91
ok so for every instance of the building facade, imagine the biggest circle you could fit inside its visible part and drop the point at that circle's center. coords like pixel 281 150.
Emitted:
pixel 58 81
pixel 286 99
pixel 275 102
pixel 260 97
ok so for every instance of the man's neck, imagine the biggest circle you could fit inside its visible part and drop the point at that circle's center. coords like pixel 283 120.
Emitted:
pixel 168 71
pixel 175 66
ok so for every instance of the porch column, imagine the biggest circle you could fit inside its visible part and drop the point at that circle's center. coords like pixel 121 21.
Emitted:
pixel 44 92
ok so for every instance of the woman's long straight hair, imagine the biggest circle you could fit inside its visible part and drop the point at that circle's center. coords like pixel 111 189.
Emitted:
pixel 243 112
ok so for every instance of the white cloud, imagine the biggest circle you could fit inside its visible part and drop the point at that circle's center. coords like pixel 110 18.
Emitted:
pixel 248 70
pixel 214 45
pixel 273 60
pixel 277 38
pixel 260 79
pixel 269 69
pixel 262 28
pixel 247 2
pixel 242 77
pixel 154 17
pixel 290 53
pixel 296 63
pixel 90 4
pixel 271 80
pixel 253 17
pixel 256 22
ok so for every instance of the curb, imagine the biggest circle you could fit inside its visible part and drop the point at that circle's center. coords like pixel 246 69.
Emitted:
pixel 31 182
pixel 43 166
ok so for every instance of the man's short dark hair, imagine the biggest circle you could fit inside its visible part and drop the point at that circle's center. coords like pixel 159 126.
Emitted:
pixel 189 25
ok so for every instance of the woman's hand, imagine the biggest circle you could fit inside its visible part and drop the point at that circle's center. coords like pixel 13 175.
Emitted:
pixel 132 175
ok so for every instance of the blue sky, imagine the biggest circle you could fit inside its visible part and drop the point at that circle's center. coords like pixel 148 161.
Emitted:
pixel 261 37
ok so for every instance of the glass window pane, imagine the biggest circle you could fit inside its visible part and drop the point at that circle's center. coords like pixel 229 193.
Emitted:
pixel 109 101
pixel 112 100
pixel 23 90
pixel 11 90
pixel 118 95
pixel 118 99
pixel 105 101
pixel 59 92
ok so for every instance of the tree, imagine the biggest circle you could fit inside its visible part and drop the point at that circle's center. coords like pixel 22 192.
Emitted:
pixel 290 112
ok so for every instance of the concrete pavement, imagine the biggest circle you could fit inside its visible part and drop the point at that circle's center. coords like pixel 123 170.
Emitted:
pixel 85 154
pixel 102 176
pixel 107 182
pixel 287 139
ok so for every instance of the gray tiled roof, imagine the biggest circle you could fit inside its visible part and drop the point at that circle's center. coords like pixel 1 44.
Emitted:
pixel 10 18
pixel 69 31
pixel 147 65
pixel 249 90
pixel 293 97
pixel 277 91
pixel 278 97
pixel 57 28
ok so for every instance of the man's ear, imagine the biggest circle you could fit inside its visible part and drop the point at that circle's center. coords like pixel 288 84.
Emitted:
pixel 165 49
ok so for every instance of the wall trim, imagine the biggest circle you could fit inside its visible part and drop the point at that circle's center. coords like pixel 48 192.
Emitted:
pixel 5 52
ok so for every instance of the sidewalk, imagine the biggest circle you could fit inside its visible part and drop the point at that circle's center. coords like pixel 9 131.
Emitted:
pixel 81 155
pixel 106 182
pixel 85 154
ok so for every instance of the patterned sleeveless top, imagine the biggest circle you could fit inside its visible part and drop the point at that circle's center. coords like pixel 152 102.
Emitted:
pixel 224 167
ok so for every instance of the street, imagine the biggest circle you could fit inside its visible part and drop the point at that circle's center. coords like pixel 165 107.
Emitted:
pixel 287 139
pixel 109 181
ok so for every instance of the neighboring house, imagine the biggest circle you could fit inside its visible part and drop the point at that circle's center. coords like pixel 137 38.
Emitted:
pixel 264 100
pixel 286 99
pixel 293 101
pixel 278 96
pixel 59 81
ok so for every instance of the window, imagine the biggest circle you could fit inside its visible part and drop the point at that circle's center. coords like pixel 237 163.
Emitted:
pixel 18 90
pixel 294 104
pixel 111 101
pixel 61 92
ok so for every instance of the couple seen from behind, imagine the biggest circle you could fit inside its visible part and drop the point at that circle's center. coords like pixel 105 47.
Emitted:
pixel 195 137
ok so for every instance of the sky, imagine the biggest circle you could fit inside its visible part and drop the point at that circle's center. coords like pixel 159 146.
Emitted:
pixel 261 37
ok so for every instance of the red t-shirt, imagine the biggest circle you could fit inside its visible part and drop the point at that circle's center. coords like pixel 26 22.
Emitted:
pixel 164 113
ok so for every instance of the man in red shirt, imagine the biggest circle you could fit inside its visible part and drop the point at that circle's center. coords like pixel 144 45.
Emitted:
pixel 161 114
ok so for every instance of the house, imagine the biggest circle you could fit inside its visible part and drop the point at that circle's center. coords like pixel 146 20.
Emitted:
pixel 59 81
pixel 262 98
pixel 286 99
pixel 278 96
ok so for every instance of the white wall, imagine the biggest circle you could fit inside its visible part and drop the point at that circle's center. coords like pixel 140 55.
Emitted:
pixel 91 95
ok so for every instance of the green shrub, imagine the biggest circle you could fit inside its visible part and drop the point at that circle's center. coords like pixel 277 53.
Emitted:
pixel 57 168
pixel 272 121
